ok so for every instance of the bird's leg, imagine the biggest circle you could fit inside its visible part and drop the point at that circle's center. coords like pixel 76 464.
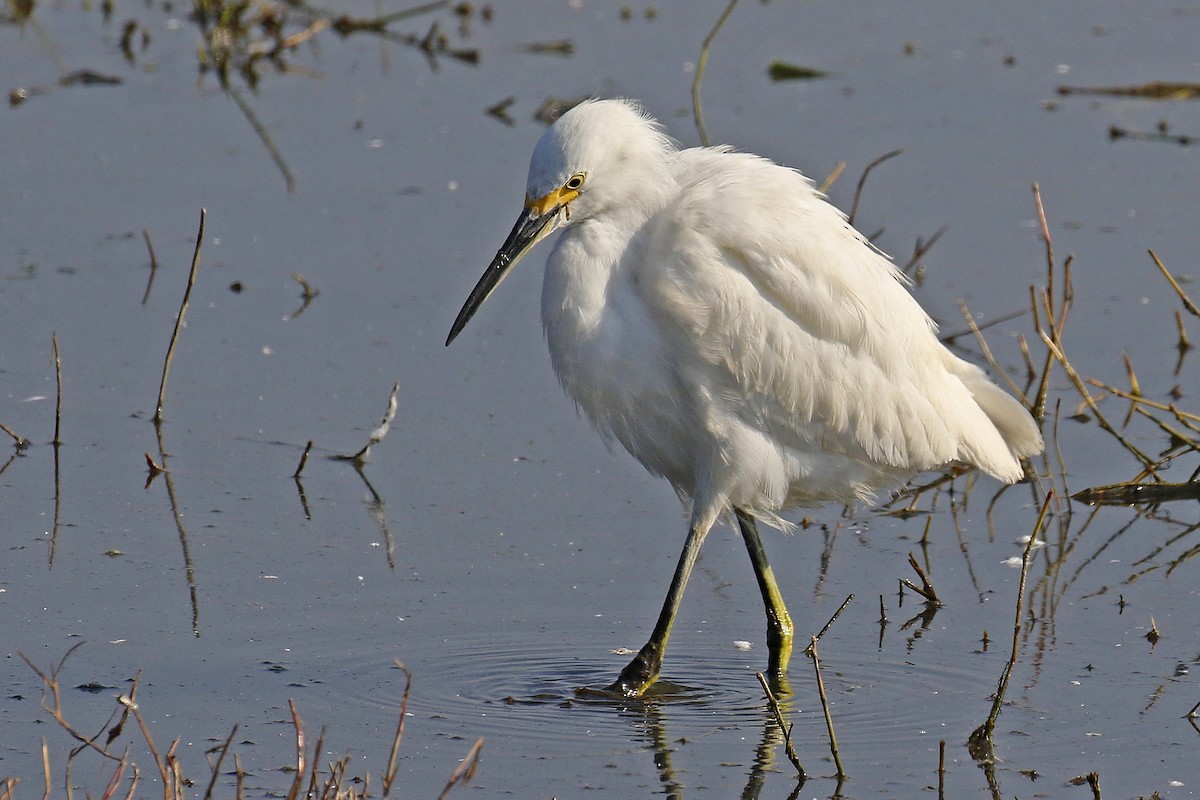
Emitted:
pixel 779 622
pixel 643 670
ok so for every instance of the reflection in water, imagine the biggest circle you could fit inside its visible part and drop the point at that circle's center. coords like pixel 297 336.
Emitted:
pixel 649 717
pixel 378 511
pixel 177 514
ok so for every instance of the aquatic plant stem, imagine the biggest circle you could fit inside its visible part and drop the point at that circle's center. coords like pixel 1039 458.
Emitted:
pixel 701 63
pixel 58 392
pixel 389 774
pixel 833 745
pixel 187 294
pixel 784 726
pixel 980 739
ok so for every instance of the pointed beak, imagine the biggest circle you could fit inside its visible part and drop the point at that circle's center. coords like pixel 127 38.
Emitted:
pixel 538 219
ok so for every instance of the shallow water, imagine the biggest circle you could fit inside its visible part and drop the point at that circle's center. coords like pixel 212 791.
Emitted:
pixel 498 550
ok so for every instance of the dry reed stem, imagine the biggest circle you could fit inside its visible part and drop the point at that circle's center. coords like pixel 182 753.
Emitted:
pixel 130 702
pixel 466 770
pixel 313 770
pixel 926 589
pixel 55 709
pixel 862 181
pixel 920 249
pixel 1056 321
pixel 832 177
pixel 113 782
pixel 784 726
pixel 300 771
pixel 833 745
pixel 187 293
pixel 46 768
pixel 1057 352
pixel 1183 296
pixel 701 63
pixel 1180 415
pixel 1184 345
pixel 303 459
pixel 389 774
pixel 832 619
pixel 58 393
pixel 20 442
pixel 941 769
pixel 983 734
pixel 216 768
pixel 987 353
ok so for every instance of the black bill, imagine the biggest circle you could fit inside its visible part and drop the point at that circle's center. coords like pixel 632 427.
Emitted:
pixel 529 230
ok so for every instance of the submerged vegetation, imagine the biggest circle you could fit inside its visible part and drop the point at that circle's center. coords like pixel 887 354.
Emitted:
pixel 311 776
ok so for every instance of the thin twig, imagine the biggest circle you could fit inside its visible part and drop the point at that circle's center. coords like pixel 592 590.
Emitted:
pixel 784 726
pixel 1075 379
pixel 129 701
pixel 701 63
pixel 863 180
pixel 836 614
pixel 987 351
pixel 926 589
pixel 389 774
pixel 216 770
pixel 1183 296
pixel 298 780
pixel 303 459
pixel 983 734
pixel 922 247
pixel 466 770
pixel 20 442
pixel 46 768
pixel 942 769
pixel 187 293
pixel 833 745
pixel 58 393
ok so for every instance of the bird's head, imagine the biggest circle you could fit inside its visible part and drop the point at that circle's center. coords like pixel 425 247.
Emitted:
pixel 600 155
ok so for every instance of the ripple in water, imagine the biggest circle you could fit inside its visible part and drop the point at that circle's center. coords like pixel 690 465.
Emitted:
pixel 531 692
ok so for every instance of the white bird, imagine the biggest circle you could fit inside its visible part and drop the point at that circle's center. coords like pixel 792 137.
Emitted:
pixel 714 314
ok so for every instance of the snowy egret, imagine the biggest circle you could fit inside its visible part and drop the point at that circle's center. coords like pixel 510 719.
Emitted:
pixel 714 314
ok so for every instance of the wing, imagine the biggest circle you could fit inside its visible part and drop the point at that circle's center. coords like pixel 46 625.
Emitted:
pixel 806 332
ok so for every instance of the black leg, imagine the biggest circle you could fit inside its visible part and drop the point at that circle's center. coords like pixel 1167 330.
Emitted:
pixel 637 677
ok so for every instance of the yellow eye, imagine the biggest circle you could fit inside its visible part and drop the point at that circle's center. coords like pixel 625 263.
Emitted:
pixel 575 181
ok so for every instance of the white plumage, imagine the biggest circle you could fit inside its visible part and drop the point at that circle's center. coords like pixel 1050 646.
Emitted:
pixel 710 311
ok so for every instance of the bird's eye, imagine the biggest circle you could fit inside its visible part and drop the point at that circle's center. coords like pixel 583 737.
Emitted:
pixel 575 181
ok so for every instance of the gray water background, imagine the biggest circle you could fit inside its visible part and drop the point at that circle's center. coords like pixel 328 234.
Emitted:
pixel 506 553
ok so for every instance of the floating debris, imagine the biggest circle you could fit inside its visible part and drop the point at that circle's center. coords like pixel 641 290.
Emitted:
pixel 1155 90
pixel 562 47
pixel 783 71
pixel 500 111
pixel 1137 494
